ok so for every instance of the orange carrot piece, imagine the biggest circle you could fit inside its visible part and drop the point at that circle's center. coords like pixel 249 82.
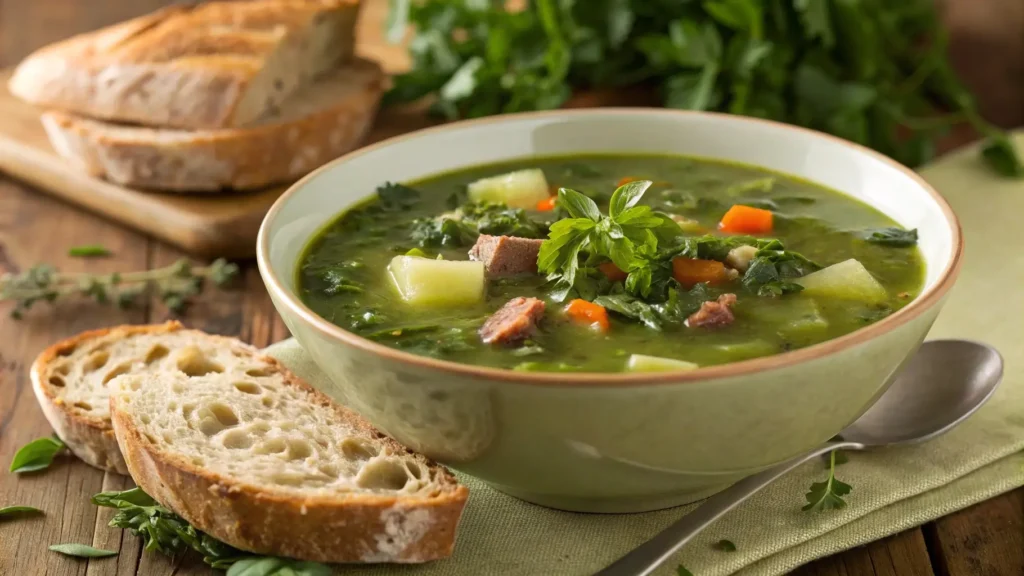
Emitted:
pixel 613 272
pixel 588 313
pixel 690 271
pixel 742 219
pixel 627 179
pixel 547 205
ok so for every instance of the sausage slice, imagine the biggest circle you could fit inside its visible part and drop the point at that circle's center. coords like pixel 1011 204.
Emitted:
pixel 513 322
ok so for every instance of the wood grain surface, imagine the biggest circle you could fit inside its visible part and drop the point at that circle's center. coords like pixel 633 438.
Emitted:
pixel 984 540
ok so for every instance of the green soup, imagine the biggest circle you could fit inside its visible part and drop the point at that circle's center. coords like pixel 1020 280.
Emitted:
pixel 649 278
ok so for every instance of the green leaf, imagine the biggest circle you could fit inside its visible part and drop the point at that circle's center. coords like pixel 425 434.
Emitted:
pixel 18 511
pixel 123 498
pixel 814 15
pixel 36 455
pixel 891 236
pixel 740 15
pixel 627 196
pixel 1000 153
pixel 578 205
pixel 695 46
pixel 463 82
pixel 693 90
pixel 394 197
pixel 89 251
pixel 631 308
pixel 681 571
pixel 725 546
pixel 827 495
pixel 82 551
pixel 620 22
pixel 269 566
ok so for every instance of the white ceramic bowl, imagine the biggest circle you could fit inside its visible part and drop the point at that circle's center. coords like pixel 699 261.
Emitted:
pixel 612 442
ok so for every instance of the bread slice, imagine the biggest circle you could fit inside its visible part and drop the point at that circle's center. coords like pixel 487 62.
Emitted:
pixel 213 65
pixel 234 443
pixel 256 458
pixel 70 378
pixel 320 123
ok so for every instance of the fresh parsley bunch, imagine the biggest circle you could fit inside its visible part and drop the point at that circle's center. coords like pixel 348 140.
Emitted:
pixel 871 71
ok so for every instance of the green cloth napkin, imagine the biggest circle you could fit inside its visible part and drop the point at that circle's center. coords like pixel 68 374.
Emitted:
pixel 893 489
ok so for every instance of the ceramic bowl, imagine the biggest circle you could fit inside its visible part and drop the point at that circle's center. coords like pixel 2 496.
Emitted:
pixel 612 442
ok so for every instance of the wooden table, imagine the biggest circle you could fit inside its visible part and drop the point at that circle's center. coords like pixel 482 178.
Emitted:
pixel 984 540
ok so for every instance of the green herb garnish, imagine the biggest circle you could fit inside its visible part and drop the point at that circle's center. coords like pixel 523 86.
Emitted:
pixel 827 495
pixel 725 546
pixel 19 511
pixel 681 571
pixel 175 284
pixel 169 534
pixel 89 251
pixel 869 71
pixel 891 236
pixel 461 227
pixel 82 551
pixel 393 197
pixel 36 455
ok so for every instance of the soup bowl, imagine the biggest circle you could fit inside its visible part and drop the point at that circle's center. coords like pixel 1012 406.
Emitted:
pixel 612 442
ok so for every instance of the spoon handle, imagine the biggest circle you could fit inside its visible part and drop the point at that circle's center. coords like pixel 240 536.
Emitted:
pixel 643 559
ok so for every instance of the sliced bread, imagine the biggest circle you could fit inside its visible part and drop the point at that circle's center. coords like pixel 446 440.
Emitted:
pixel 234 443
pixel 213 65
pixel 70 378
pixel 323 121
pixel 270 465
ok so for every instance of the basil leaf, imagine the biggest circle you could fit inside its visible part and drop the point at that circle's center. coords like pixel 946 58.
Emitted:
pixel 19 511
pixel 578 205
pixel 82 551
pixel 627 196
pixel 891 236
pixel 36 455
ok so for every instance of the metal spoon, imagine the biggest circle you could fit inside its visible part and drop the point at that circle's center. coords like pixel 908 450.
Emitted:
pixel 941 385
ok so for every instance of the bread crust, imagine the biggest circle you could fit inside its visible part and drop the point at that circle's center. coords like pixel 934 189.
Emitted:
pixel 214 160
pixel 337 529
pixel 182 66
pixel 89 438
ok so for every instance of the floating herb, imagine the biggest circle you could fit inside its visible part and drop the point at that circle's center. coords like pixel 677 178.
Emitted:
pixel 891 236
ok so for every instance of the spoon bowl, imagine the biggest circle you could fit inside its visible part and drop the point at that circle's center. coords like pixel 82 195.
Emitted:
pixel 938 387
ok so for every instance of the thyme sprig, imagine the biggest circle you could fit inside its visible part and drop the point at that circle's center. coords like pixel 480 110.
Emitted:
pixel 175 284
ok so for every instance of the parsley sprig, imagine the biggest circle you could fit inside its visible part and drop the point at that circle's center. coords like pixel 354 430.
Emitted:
pixel 827 495
pixel 870 71
pixel 628 236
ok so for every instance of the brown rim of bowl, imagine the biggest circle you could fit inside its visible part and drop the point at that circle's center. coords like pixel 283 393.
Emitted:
pixel 601 379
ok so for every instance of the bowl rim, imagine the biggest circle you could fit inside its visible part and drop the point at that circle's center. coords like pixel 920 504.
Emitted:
pixel 914 309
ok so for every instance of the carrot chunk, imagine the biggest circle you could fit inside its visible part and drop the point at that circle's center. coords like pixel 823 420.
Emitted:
pixel 547 205
pixel 626 180
pixel 611 271
pixel 746 220
pixel 588 313
pixel 690 271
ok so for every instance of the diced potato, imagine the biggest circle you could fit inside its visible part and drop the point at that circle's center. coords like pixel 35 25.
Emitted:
pixel 520 189
pixel 426 282
pixel 740 257
pixel 848 280
pixel 644 363
pixel 794 316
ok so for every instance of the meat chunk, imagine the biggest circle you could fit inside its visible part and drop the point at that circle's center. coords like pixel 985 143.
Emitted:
pixel 515 321
pixel 713 313
pixel 506 255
